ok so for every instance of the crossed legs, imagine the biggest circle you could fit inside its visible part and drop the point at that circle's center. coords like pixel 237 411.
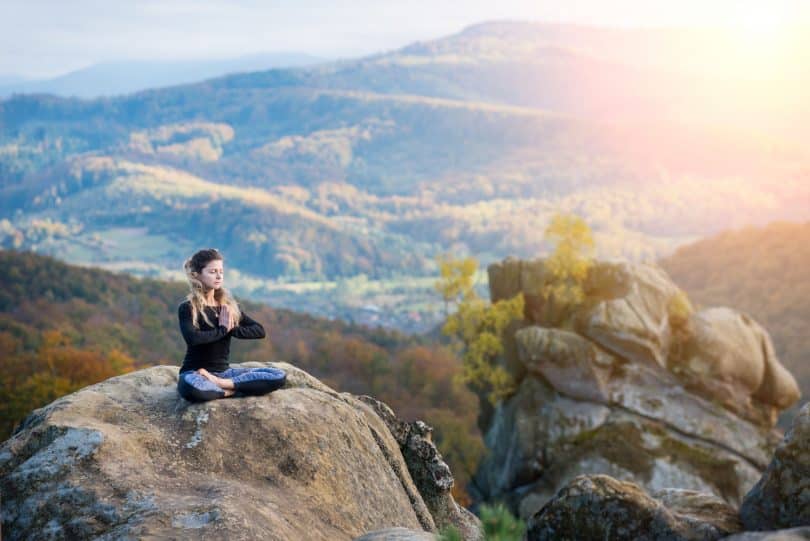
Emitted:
pixel 223 383
pixel 201 385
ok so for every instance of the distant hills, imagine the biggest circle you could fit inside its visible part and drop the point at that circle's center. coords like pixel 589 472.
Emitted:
pixel 350 177
pixel 125 77
pixel 760 271
pixel 11 79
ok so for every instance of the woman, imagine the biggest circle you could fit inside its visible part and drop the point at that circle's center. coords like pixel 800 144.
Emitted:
pixel 205 374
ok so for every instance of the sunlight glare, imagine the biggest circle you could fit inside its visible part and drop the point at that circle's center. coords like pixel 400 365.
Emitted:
pixel 759 20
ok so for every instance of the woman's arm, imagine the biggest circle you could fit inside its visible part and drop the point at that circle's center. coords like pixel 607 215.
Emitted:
pixel 193 336
pixel 248 328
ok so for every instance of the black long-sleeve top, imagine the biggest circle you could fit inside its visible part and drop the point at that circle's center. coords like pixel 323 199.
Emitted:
pixel 208 346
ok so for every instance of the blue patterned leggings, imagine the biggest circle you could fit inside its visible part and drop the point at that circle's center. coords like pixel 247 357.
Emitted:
pixel 247 381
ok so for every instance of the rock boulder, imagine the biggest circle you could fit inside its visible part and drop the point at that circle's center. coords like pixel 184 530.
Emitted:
pixel 129 458
pixel 791 534
pixel 628 385
pixel 781 498
pixel 600 508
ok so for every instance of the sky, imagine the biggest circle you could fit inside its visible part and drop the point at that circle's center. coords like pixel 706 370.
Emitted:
pixel 45 38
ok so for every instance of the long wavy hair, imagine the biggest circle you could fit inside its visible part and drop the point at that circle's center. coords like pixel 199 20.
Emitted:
pixel 193 266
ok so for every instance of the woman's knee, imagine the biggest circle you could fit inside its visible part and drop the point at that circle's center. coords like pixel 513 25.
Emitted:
pixel 260 381
pixel 198 395
pixel 230 373
pixel 195 391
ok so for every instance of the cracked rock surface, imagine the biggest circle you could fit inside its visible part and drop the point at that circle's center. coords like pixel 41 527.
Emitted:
pixel 129 458
pixel 781 498
pixel 627 386
pixel 598 507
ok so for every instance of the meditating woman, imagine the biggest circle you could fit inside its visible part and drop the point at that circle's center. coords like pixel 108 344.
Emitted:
pixel 209 317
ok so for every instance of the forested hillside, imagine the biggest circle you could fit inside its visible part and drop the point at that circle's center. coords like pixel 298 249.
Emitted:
pixel 369 168
pixel 63 327
pixel 759 270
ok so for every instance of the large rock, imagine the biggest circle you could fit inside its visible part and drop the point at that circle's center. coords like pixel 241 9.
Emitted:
pixel 781 498
pixel 616 391
pixel 430 473
pixel 726 345
pixel 727 357
pixel 600 508
pixel 627 312
pixel 505 279
pixel 570 363
pixel 730 357
pixel 791 534
pixel 632 318
pixel 581 410
pixel 129 458
pixel 398 534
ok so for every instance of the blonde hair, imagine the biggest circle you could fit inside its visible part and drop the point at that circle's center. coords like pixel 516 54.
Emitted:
pixel 193 266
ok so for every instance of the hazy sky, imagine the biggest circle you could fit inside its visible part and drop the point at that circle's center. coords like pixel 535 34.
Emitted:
pixel 50 37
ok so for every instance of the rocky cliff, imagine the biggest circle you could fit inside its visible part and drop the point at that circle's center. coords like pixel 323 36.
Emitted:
pixel 631 383
pixel 129 458
pixel 601 508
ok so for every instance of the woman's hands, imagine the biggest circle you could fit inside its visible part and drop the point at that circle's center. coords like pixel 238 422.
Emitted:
pixel 226 318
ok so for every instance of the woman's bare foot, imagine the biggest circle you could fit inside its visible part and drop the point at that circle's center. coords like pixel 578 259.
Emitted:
pixel 223 383
pixel 208 375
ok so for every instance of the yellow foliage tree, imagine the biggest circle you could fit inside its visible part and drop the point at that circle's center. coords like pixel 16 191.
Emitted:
pixel 477 327
pixel 679 309
pixel 570 262
pixel 456 282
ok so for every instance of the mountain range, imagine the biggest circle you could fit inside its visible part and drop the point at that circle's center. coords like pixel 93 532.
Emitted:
pixel 334 187
pixel 127 76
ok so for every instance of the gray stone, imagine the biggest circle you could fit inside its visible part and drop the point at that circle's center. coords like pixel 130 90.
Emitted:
pixel 613 395
pixel 792 534
pixel 504 279
pixel 730 358
pixel 699 507
pixel 600 508
pixel 397 534
pixel 635 325
pixel 129 458
pixel 649 431
pixel 570 363
pixel 781 498
pixel 429 471
pixel 727 357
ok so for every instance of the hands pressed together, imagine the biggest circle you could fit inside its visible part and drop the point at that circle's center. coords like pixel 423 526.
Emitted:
pixel 226 318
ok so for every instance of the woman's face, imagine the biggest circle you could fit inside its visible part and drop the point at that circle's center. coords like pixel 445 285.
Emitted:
pixel 212 274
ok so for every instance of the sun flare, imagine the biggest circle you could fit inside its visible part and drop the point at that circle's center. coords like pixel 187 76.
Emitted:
pixel 760 20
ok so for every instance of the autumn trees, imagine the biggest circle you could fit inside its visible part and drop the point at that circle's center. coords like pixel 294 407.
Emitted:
pixel 569 263
pixel 63 327
pixel 32 380
pixel 477 327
